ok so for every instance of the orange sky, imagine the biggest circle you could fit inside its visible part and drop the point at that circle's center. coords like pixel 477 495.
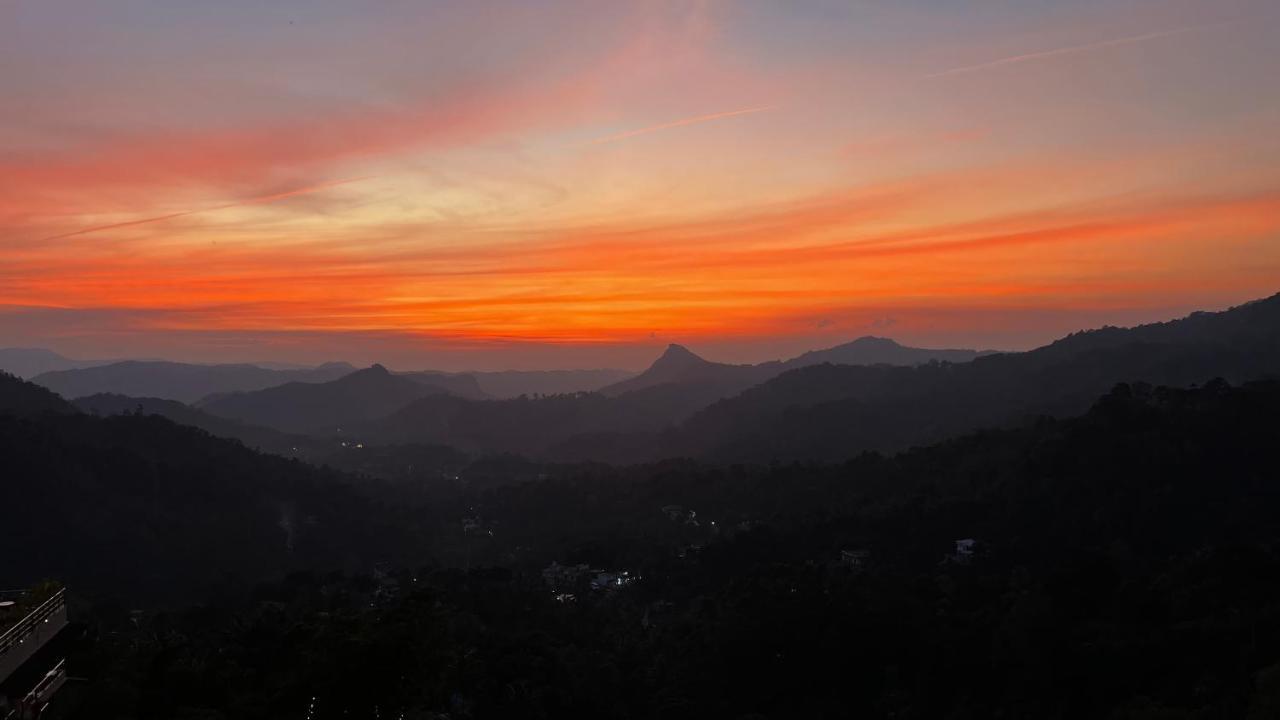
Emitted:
pixel 571 184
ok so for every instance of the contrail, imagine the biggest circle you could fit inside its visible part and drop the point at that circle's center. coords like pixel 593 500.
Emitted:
pixel 1016 59
pixel 679 123
pixel 241 203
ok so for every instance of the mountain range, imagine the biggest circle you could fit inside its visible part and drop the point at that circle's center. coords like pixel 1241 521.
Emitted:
pixel 514 383
pixel 325 407
pixel 181 483
pixel 869 394
pixel 184 382
pixel 680 365
pixel 27 363
pixel 684 405
pixel 836 411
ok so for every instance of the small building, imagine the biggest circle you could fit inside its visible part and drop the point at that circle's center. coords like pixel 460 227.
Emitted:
pixel 856 559
pixel 966 549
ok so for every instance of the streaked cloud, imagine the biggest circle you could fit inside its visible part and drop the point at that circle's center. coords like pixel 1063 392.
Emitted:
pixel 683 122
pixel 1063 51
pixel 260 200
pixel 176 188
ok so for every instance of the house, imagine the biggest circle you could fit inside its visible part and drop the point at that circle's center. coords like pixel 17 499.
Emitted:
pixel 965 550
pixel 856 559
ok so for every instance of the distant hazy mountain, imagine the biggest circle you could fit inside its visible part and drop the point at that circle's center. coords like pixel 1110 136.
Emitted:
pixel 265 439
pixel 29 362
pixel 679 365
pixel 514 383
pixel 877 351
pixel 536 425
pixel 322 407
pixel 613 423
pixel 179 381
pixel 836 411
pixel 810 408
pixel 458 384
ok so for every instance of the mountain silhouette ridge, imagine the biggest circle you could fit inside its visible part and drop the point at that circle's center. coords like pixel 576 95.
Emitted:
pixel 300 407
pixel 679 364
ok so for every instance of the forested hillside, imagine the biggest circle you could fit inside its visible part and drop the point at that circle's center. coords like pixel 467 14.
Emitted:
pixel 1122 564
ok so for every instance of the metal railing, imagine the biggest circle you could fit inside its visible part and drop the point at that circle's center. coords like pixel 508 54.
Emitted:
pixel 33 704
pixel 18 633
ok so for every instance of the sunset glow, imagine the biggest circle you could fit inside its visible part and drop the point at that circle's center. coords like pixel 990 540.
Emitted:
pixel 582 182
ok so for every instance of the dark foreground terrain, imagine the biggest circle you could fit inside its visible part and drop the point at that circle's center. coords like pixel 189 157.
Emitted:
pixel 1124 564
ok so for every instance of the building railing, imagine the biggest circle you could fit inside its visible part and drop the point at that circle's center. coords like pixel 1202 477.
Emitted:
pixel 16 634
pixel 40 695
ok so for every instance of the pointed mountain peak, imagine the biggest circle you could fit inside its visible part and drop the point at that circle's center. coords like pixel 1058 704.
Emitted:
pixel 677 356
pixel 378 369
pixel 679 351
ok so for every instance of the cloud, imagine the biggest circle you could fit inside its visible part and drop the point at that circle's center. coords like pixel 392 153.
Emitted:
pixel 695 120
pixel 260 200
pixel 96 170
pixel 1059 52
pixel 742 272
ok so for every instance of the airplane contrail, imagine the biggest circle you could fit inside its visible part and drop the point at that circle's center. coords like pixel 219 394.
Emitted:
pixel 240 203
pixel 679 123
pixel 1016 59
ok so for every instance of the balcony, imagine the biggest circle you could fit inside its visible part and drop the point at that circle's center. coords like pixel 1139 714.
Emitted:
pixel 32 666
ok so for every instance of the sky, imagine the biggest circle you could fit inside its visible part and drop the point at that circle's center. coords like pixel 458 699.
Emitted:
pixel 490 185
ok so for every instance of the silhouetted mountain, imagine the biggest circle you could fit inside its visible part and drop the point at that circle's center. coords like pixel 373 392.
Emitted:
pixel 322 407
pixel 178 381
pixel 679 365
pixel 149 510
pixel 19 397
pixel 461 385
pixel 879 351
pixel 506 384
pixel 514 383
pixel 29 362
pixel 538 425
pixel 261 438
pixel 829 411
pixel 836 411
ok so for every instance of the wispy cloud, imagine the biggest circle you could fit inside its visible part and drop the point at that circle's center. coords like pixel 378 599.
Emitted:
pixel 260 200
pixel 1059 52
pixel 680 123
